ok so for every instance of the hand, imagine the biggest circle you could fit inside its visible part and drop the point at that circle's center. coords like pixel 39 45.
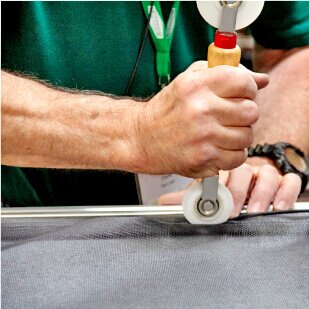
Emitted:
pixel 258 182
pixel 201 122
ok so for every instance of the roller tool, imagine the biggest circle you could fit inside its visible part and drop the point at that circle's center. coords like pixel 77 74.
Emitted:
pixel 209 202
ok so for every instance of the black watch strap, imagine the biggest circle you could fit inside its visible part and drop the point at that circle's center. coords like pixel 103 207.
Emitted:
pixel 275 152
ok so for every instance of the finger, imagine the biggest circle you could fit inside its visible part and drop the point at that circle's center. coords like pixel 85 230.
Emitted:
pixel 232 138
pixel 261 79
pixel 230 159
pixel 288 192
pixel 234 112
pixel 223 177
pixel 227 82
pixel 173 198
pixel 266 185
pixel 239 184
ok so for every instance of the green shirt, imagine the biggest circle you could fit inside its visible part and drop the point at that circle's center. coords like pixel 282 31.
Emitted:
pixel 94 45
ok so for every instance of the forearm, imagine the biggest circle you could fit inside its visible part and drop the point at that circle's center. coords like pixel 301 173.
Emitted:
pixel 45 127
pixel 284 103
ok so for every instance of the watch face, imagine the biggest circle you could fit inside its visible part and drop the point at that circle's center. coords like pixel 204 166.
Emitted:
pixel 295 159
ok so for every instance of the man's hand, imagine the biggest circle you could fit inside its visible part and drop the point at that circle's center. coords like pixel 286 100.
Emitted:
pixel 197 125
pixel 256 183
pixel 201 122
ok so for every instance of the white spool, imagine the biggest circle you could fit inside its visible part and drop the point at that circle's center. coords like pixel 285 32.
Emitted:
pixel 248 11
pixel 190 203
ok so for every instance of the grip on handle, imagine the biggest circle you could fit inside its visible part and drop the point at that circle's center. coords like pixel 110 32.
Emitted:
pixel 221 56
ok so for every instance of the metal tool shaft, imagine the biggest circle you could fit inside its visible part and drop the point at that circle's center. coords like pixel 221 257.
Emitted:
pixel 229 15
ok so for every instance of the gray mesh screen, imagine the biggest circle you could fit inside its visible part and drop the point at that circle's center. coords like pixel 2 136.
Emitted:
pixel 260 262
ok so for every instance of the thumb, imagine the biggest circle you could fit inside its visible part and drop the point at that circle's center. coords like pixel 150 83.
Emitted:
pixel 261 79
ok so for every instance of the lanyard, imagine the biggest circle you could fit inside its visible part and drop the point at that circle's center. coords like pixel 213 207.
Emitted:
pixel 162 36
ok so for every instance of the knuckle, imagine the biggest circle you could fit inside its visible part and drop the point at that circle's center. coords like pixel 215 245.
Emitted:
pixel 225 74
pixel 248 137
pixel 208 134
pixel 293 178
pixel 247 86
pixel 212 153
pixel 244 88
pixel 205 154
pixel 240 74
pixel 252 112
pixel 232 161
pixel 239 158
pixel 199 108
pixel 243 139
pixel 268 190
pixel 179 84
pixel 268 169
pixel 246 168
pixel 195 161
pixel 186 83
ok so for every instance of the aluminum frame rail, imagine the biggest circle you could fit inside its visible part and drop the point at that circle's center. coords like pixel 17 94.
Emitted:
pixel 105 211
pixel 91 211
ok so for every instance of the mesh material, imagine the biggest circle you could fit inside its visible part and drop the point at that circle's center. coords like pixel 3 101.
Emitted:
pixel 258 262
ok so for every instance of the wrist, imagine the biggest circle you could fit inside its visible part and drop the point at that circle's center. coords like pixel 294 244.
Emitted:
pixel 147 122
pixel 259 161
pixel 113 127
pixel 286 157
pixel 131 154
pixel 141 128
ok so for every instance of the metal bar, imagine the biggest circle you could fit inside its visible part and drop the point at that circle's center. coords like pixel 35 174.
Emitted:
pixel 90 211
pixel 104 211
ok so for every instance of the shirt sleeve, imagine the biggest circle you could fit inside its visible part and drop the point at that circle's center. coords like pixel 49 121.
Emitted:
pixel 282 25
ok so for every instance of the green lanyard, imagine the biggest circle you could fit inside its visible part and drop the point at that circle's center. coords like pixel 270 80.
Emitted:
pixel 162 36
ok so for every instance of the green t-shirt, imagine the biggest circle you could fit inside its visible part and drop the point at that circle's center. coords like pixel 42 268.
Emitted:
pixel 94 45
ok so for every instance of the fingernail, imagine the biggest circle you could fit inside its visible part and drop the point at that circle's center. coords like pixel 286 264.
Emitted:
pixel 256 207
pixel 281 205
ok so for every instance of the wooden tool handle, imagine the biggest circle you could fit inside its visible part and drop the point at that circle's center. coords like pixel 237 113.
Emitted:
pixel 221 56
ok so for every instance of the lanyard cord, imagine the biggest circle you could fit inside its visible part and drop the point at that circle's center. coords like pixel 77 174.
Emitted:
pixel 140 52
pixel 162 36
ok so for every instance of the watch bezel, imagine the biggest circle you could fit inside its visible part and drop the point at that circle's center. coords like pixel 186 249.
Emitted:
pixel 279 152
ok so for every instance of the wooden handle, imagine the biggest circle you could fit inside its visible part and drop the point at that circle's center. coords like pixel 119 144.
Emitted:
pixel 220 56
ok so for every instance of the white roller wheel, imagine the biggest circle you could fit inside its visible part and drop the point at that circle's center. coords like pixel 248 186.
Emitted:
pixel 192 198
pixel 248 12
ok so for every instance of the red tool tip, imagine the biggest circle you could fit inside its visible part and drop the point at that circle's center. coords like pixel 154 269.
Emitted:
pixel 225 40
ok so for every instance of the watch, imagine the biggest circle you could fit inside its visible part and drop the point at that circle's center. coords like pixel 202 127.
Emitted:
pixel 287 158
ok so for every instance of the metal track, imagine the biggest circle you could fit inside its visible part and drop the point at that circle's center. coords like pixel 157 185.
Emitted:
pixel 104 211
pixel 91 211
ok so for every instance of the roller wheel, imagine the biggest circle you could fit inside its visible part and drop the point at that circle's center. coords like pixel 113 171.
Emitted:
pixel 191 202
